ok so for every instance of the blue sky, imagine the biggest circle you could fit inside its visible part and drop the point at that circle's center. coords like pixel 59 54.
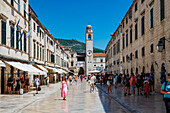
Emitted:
pixel 67 19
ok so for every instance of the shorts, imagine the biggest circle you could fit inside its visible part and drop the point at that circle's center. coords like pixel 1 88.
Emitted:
pixel 22 82
pixel 76 80
pixel 108 83
pixel 36 85
pixel 9 85
pixel 133 87
pixel 70 80
pixel 92 84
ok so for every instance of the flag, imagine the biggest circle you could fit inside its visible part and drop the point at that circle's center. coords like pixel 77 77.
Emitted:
pixel 22 33
pixel 17 25
pixel 28 34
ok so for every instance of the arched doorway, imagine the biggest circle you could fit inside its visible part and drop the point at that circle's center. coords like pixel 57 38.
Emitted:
pixel 143 70
pixel 136 70
pixel 81 71
pixel 152 69
pixel 131 70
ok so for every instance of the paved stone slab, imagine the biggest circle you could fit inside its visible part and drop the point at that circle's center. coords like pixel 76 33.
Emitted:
pixel 80 100
pixel 153 104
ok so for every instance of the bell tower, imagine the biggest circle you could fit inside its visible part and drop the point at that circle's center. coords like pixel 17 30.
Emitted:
pixel 89 49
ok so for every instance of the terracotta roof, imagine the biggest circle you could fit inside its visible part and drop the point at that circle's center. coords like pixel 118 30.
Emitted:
pixel 62 47
pixel 99 54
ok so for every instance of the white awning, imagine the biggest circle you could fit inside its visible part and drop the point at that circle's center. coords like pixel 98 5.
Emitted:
pixel 54 69
pixel 26 67
pixel 41 67
pixel 2 64
pixel 62 71
pixel 95 71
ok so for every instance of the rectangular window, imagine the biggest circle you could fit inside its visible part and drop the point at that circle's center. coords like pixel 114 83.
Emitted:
pixel 52 58
pixel 151 18
pixel 47 55
pixel 130 35
pixel 130 14
pixel 123 42
pixel 25 10
pixel 126 39
pixel 12 36
pixel 40 53
pixel 12 2
pixel 136 7
pixel 25 43
pixel 72 63
pixel 143 51
pixel 123 59
pixel 34 26
pixel 142 26
pixel 127 20
pixel 131 56
pixel 17 39
pixel 38 29
pixel 142 1
pixel 136 54
pixel 19 5
pixel 37 51
pixel 34 50
pixel 136 31
pixel 43 54
pixel 152 48
pixel 162 9
pixel 3 32
pixel 123 25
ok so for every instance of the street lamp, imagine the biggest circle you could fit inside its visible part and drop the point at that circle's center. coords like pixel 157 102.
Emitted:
pixel 161 44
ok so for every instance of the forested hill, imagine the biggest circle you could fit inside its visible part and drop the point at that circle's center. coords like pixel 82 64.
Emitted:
pixel 77 46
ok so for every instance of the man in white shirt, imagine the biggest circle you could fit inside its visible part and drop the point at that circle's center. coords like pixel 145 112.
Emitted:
pixel 92 82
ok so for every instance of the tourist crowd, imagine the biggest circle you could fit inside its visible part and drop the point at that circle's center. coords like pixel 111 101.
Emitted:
pixel 130 83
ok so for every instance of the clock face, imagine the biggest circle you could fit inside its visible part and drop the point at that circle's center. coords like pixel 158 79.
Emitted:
pixel 89 53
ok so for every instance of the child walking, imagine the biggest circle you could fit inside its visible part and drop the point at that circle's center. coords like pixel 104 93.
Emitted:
pixel 147 89
pixel 64 88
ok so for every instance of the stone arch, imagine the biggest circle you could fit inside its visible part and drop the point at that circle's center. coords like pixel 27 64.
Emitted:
pixel 81 71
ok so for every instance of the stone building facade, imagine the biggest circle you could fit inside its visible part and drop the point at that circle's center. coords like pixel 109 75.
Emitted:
pixel 133 46
pixel 17 20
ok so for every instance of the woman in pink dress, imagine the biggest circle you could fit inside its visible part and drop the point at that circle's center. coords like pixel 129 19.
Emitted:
pixel 64 88
pixel 147 88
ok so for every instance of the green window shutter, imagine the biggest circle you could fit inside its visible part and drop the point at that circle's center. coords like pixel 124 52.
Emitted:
pixel 126 40
pixel 17 39
pixel 25 43
pixel 151 18
pixel 20 44
pixel 131 36
pixel 3 33
pixel 12 36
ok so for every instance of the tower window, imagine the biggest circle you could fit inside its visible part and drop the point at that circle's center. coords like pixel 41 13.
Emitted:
pixel 89 37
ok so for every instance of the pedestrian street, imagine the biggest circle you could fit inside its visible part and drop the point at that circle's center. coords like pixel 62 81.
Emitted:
pixel 79 100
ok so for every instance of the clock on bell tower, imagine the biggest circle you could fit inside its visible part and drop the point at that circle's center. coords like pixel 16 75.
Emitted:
pixel 89 49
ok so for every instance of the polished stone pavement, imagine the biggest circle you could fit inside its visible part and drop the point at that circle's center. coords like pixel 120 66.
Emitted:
pixel 80 100
pixel 141 104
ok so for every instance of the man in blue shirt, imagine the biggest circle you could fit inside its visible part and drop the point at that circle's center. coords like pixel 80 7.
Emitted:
pixel 166 91
pixel 116 80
